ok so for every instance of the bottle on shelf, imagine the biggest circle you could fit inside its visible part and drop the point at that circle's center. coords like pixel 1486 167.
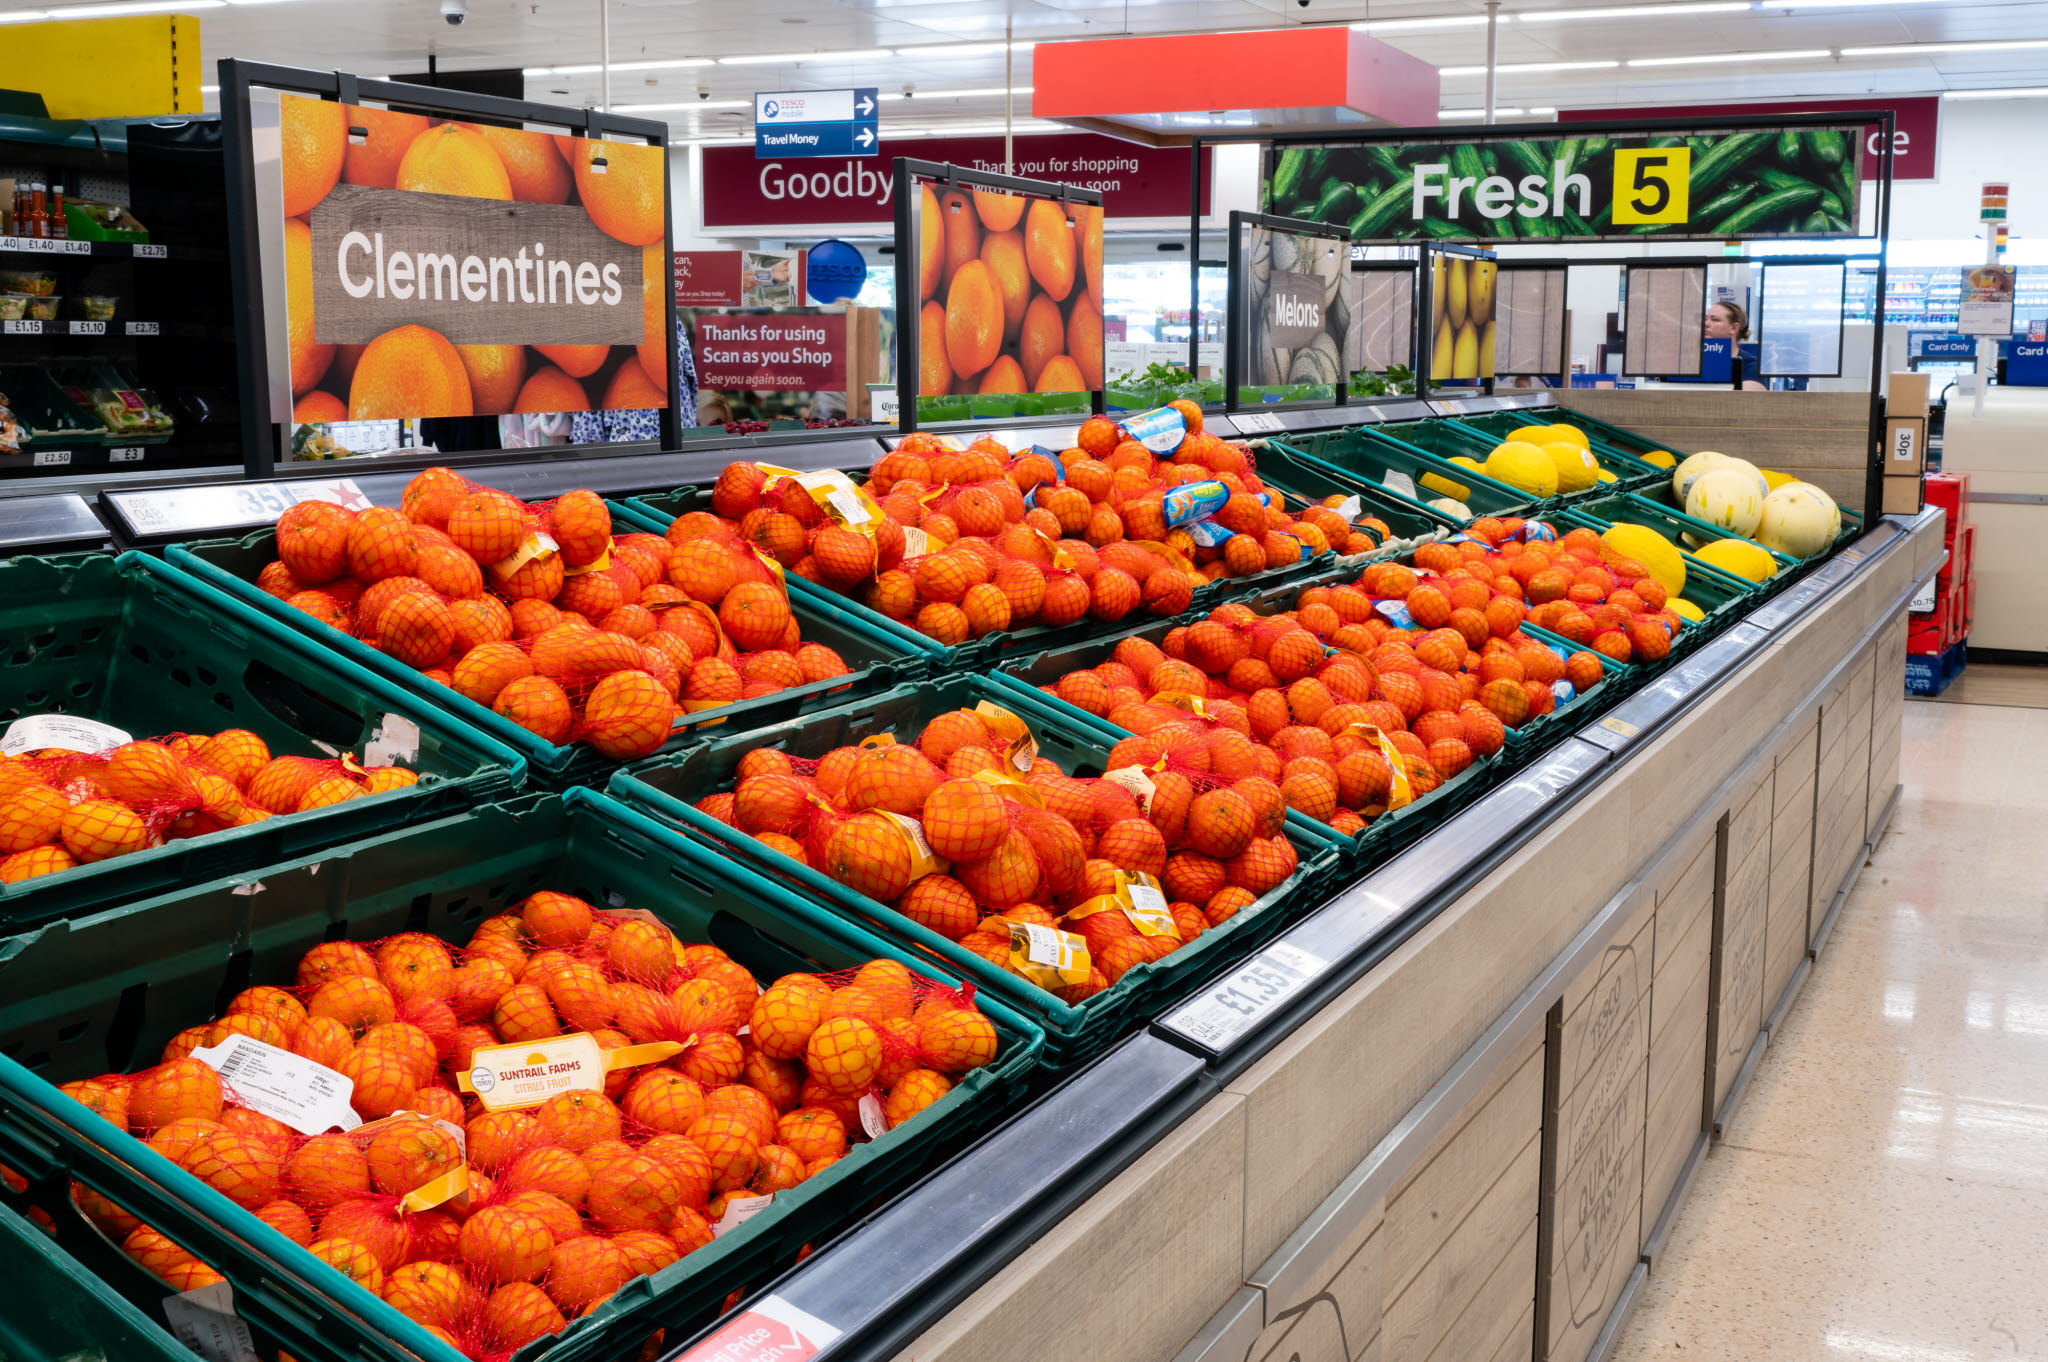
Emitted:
pixel 60 227
pixel 36 222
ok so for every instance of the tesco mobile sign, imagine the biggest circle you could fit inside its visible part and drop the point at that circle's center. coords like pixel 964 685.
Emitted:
pixel 740 191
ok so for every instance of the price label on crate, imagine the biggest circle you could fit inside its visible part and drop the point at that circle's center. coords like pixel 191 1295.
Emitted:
pixel 1256 422
pixel 21 328
pixel 125 454
pixel 1233 1005
pixel 148 252
pixel 770 1330
pixel 52 458
pixel 142 328
pixel 88 328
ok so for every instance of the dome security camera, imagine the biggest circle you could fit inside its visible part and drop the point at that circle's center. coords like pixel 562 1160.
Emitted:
pixel 703 92
pixel 454 13
pixel 909 90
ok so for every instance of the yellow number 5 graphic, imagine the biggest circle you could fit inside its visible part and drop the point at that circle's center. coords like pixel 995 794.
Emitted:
pixel 1651 184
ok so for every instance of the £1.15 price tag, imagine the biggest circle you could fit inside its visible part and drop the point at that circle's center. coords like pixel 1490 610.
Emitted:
pixel 1230 1008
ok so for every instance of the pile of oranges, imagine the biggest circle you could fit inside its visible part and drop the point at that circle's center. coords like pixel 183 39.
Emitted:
pixel 60 808
pixel 566 1201
pixel 1349 712
pixel 971 833
pixel 543 615
pixel 963 543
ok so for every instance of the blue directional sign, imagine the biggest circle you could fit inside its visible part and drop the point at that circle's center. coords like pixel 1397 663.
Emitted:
pixel 795 123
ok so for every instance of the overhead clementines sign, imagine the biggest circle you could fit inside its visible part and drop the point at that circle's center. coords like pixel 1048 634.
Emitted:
pixel 457 269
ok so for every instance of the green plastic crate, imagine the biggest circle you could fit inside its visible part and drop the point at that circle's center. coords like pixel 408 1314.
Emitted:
pixel 106 992
pixel 1307 481
pixel 226 570
pixel 1371 452
pixel 128 642
pixel 657 511
pixel 667 787
pixel 76 1316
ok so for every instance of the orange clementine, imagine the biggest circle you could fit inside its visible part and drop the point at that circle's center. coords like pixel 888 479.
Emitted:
pixel 549 389
pixel 974 319
pixel 1060 375
pixel 495 372
pixel 1088 245
pixel 1003 253
pixel 1042 336
pixel 627 196
pixel 931 234
pixel 309 360
pixel 315 138
pixel 409 371
pixel 934 373
pixel 318 408
pixel 1004 376
pixel 1049 247
pixel 454 158
pixel 631 390
pixel 374 160
pixel 962 230
pixel 577 361
pixel 1084 343
pixel 531 163
pixel 655 284
pixel 999 212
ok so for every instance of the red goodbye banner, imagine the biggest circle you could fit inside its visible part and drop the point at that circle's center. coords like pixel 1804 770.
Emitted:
pixel 1136 181
pixel 1915 131
pixel 771 352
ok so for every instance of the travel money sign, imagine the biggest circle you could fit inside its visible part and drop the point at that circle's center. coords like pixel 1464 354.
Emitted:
pixel 1728 185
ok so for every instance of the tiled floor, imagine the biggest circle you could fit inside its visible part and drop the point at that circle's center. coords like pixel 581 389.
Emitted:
pixel 1882 1195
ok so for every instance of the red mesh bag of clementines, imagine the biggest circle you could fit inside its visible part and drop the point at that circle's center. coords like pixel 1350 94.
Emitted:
pixel 61 808
pixel 465 1180
pixel 972 833
pixel 542 614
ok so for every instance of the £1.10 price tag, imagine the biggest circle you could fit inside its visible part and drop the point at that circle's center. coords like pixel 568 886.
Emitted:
pixel 1230 1007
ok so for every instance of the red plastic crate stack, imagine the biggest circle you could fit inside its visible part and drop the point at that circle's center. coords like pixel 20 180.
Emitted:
pixel 1947 623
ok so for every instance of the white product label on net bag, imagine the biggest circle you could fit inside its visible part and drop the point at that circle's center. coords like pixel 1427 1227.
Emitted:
pixel 740 1210
pixel 397 741
pixel 205 1321
pixel 310 1098
pixel 33 732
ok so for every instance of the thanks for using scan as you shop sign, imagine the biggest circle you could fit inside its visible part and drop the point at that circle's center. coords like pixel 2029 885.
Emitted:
pixel 1786 182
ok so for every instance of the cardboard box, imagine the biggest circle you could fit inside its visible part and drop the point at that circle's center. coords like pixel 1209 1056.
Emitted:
pixel 1901 495
pixel 1951 492
pixel 1928 633
pixel 1905 445
pixel 1956 568
pixel 1906 394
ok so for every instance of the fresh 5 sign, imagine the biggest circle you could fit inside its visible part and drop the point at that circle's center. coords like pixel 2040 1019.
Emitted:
pixel 1735 184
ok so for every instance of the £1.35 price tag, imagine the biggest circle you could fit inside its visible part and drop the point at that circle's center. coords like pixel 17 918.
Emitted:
pixel 1230 1007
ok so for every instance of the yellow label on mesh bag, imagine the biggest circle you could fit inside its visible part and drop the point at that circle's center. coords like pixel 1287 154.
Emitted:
pixel 878 740
pixel 438 1191
pixel 1180 699
pixel 1047 956
pixel 923 860
pixel 1010 786
pixel 841 499
pixel 598 564
pixel 535 545
pixel 1138 897
pixel 1136 782
pixel 1399 790
pixel 1022 746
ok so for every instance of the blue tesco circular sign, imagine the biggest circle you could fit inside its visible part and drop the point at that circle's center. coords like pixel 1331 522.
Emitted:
pixel 835 270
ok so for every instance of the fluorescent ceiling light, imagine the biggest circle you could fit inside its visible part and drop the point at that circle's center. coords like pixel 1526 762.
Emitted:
pixel 133 7
pixel 978 92
pixel 1530 66
pixel 593 68
pixel 1708 58
pixel 1839 4
pixel 712 142
pixel 962 49
pixel 1922 49
pixel 690 104
pixel 24 16
pixel 784 58
pixel 1023 125
pixel 209 89
pixel 1413 25
pixel 1551 16
pixel 2023 92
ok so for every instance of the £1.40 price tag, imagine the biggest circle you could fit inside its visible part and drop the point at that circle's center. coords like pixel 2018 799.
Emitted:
pixel 1230 1007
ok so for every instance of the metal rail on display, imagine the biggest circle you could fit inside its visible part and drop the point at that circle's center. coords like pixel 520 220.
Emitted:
pixel 883 1283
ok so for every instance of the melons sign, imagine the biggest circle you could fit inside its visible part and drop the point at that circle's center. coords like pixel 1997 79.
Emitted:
pixel 1794 181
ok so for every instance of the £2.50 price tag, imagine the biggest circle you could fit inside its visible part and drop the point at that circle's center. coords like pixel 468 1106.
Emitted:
pixel 1230 1007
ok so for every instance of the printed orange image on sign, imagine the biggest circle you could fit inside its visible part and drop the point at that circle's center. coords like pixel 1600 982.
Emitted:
pixel 1011 287
pixel 453 269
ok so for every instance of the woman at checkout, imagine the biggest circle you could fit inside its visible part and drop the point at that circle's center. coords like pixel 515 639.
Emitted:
pixel 1727 321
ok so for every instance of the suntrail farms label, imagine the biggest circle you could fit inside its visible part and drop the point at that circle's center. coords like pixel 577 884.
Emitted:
pixel 479 271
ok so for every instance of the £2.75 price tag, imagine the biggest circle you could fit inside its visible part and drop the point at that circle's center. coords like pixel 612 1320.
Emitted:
pixel 1230 1007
